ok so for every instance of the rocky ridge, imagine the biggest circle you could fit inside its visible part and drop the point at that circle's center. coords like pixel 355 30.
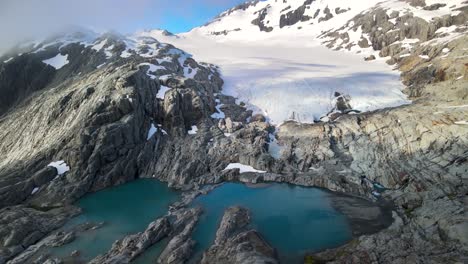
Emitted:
pixel 235 243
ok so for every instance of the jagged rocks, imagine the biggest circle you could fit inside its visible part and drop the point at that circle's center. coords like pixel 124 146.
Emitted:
pixel 259 21
pixel 235 243
pixel 292 17
pixel 128 248
pixel 180 247
pixel 22 226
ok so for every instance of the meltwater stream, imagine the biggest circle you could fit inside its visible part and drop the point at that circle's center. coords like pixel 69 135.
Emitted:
pixel 295 220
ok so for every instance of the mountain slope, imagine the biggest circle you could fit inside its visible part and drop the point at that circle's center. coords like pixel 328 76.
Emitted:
pixel 284 72
pixel 114 108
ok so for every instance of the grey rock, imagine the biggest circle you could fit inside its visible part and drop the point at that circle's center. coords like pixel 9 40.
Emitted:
pixel 180 247
pixel 128 248
pixel 235 243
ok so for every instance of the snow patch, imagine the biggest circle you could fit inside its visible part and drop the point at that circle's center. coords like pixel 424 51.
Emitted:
pixel 152 68
pixel 219 113
pixel 242 168
pixel 162 92
pixel 58 61
pixel 35 190
pixel 60 165
pixel 151 131
pixel 461 122
pixel 193 131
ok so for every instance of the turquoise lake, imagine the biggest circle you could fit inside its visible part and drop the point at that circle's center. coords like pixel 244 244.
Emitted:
pixel 295 220
pixel 125 209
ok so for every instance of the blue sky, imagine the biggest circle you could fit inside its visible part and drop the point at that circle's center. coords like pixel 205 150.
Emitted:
pixel 186 14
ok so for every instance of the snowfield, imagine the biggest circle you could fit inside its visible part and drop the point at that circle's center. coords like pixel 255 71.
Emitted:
pixel 287 72
pixel 282 79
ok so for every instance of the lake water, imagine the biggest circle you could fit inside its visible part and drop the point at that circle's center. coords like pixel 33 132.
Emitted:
pixel 295 220
pixel 125 209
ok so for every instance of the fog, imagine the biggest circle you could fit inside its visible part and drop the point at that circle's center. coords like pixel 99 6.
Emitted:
pixel 22 20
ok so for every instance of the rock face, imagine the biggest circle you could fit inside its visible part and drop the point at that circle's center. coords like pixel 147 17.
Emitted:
pixel 235 243
pixel 21 227
pixel 180 246
pixel 292 17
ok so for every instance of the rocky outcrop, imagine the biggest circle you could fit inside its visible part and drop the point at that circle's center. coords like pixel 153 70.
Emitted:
pixel 127 249
pixel 259 21
pixel 295 16
pixel 180 247
pixel 22 226
pixel 235 243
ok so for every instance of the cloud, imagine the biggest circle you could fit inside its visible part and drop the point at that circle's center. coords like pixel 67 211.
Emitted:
pixel 26 19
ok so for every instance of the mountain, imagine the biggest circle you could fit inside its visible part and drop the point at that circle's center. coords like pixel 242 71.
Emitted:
pixel 287 38
pixel 332 94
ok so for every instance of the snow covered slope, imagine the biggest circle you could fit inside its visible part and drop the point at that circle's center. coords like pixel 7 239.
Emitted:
pixel 272 57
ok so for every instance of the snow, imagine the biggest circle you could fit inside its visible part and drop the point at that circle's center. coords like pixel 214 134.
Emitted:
pixel 193 131
pixel 424 57
pixel 219 113
pixel 242 168
pixel 58 61
pixel 278 77
pixel 162 92
pixel 446 50
pixel 151 131
pixel 35 190
pixel 60 165
pixel 8 60
pixel 100 45
pixel 152 68
pixel 189 72
pixel 461 122
pixel 288 71
pixel 125 54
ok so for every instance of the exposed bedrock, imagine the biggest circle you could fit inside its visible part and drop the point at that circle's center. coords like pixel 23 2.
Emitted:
pixel 236 243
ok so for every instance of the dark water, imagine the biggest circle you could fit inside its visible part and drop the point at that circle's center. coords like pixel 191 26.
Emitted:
pixel 125 209
pixel 295 220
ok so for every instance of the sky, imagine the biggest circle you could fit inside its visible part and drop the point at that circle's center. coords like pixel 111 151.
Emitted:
pixel 26 19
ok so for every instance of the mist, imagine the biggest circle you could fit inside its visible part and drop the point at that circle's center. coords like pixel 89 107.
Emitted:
pixel 22 20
